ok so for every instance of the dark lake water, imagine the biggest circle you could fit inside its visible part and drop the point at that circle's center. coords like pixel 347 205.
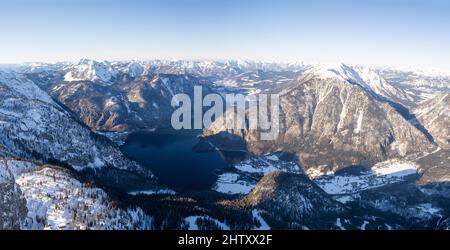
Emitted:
pixel 170 156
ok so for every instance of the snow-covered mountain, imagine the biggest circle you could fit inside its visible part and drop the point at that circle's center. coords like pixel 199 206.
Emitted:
pixel 288 200
pixel 367 78
pixel 406 87
pixel 386 188
pixel 328 120
pixel 55 199
pixel 35 127
pixel 88 70
pixel 126 104
pixel 135 95
pixel 35 130
pixel 360 147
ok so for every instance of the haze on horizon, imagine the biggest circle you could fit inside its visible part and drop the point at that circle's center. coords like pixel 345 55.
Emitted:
pixel 373 32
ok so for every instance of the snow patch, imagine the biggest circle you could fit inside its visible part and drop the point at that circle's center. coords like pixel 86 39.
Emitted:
pixel 229 183
pixel 153 192
pixel 263 224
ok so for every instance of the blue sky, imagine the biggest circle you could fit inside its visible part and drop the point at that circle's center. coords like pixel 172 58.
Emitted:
pixel 376 32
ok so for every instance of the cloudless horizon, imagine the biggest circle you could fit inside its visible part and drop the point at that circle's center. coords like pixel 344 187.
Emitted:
pixel 413 33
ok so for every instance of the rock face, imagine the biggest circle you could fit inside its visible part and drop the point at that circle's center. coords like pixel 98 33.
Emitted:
pixel 434 114
pixel 330 121
pixel 12 202
pixel 420 86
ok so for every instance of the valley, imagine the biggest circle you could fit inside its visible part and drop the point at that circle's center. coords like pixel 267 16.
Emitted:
pixel 359 148
pixel 169 154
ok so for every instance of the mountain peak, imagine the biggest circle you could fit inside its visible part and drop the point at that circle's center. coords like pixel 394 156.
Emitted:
pixel 90 70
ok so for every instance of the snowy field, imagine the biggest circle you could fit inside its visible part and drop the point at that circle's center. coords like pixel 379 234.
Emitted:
pixel 230 183
pixel 381 174
pixel 249 171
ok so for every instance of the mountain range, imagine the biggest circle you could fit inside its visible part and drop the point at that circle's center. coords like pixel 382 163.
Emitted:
pixel 359 147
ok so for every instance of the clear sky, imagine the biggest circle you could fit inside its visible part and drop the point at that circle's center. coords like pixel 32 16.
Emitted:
pixel 376 32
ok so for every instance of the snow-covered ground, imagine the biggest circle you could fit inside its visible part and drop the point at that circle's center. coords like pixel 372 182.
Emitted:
pixel 230 183
pixel 267 163
pixel 421 211
pixel 56 200
pixel 381 174
pixel 192 222
pixel 263 224
pixel 153 192
pixel 425 210
pixel 249 171
pixel 244 167
pixel 89 70
pixel 25 87
pixel 118 138
pixel 346 198
pixel 363 226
